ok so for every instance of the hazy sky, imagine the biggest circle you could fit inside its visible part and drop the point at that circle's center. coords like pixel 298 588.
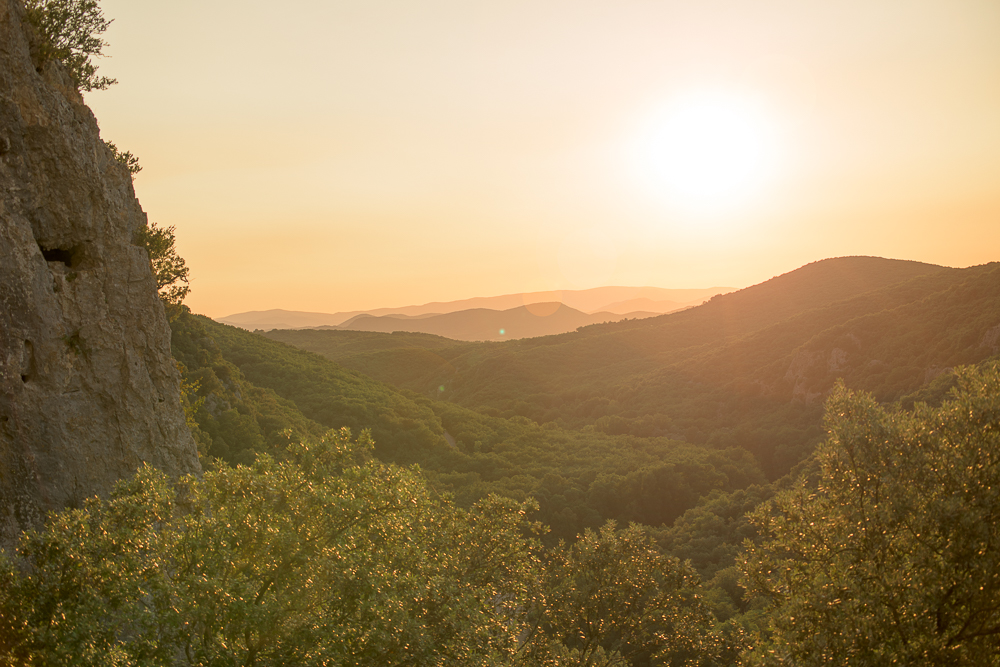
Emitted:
pixel 333 155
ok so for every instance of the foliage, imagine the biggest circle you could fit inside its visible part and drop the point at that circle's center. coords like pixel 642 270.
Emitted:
pixel 169 269
pixel 327 558
pixel 709 534
pixel 580 479
pixel 233 420
pixel 613 599
pixel 70 32
pixel 127 160
pixel 894 558
pixel 191 402
pixel 746 370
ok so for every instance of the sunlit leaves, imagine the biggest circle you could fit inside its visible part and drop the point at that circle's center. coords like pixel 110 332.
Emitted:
pixel 894 558
pixel 70 32
pixel 169 268
pixel 613 599
pixel 328 557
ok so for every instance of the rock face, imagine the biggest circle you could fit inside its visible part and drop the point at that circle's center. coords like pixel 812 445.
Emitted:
pixel 88 389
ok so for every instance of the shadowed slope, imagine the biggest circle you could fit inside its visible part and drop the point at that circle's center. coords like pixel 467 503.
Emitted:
pixel 747 368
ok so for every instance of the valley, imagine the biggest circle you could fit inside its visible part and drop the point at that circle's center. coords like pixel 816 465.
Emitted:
pixel 804 471
pixel 682 422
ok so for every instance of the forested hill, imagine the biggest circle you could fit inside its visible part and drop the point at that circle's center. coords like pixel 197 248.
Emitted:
pixel 248 395
pixel 671 428
pixel 747 369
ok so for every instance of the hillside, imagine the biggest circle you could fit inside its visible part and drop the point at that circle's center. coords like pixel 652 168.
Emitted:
pixel 747 369
pixel 250 390
pixel 676 422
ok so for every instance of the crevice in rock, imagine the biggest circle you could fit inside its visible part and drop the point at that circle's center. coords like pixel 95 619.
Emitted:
pixel 69 257
pixel 27 362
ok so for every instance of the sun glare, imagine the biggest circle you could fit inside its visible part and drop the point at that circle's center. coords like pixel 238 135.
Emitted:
pixel 707 152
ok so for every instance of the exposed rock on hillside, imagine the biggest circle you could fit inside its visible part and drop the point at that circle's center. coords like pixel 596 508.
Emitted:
pixel 88 389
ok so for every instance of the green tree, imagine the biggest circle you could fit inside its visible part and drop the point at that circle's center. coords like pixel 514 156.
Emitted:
pixel 70 31
pixel 895 557
pixel 326 558
pixel 127 160
pixel 169 269
pixel 612 598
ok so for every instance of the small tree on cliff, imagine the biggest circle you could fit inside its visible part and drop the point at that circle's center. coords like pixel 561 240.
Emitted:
pixel 127 160
pixel 169 268
pixel 70 31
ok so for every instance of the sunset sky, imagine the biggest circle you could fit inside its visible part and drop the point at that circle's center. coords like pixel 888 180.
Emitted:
pixel 326 155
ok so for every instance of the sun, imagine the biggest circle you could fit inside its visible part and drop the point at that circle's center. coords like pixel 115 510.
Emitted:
pixel 707 151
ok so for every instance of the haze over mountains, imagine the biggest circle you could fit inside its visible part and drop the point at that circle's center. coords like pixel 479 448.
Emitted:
pixel 476 324
pixel 747 369
pixel 519 315
pixel 681 423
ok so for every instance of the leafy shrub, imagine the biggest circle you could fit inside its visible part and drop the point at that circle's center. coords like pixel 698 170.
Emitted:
pixel 70 31
pixel 893 559
pixel 329 557
pixel 169 269
pixel 126 158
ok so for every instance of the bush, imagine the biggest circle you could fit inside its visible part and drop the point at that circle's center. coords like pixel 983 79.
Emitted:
pixel 328 557
pixel 126 158
pixel 168 267
pixel 70 31
pixel 893 559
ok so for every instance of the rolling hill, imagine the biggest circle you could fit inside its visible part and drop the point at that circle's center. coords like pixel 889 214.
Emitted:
pixel 747 369
pixel 680 422
pixel 249 395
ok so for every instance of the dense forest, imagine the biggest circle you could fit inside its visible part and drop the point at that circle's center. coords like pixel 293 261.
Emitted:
pixel 345 519
pixel 804 472
pixel 326 555
pixel 748 369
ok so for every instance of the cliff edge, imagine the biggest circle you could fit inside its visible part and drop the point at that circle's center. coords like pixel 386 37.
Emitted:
pixel 88 389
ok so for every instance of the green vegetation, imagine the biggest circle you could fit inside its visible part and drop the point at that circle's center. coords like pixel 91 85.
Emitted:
pixel 331 557
pixel 613 599
pixel 892 558
pixel 747 369
pixel 169 268
pixel 580 479
pixel 483 527
pixel 526 542
pixel 69 31
pixel 127 160
pixel 231 419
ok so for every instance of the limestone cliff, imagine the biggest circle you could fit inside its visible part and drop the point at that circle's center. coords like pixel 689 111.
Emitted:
pixel 88 389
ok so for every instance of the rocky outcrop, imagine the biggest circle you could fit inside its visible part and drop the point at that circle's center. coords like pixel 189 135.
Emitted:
pixel 88 389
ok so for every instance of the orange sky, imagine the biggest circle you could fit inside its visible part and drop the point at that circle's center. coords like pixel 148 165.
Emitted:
pixel 329 155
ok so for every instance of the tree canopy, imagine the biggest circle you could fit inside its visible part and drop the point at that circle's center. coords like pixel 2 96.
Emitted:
pixel 894 558
pixel 328 557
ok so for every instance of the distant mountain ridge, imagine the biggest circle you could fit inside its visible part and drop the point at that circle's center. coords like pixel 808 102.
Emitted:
pixel 637 420
pixel 747 369
pixel 616 300
pixel 486 324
